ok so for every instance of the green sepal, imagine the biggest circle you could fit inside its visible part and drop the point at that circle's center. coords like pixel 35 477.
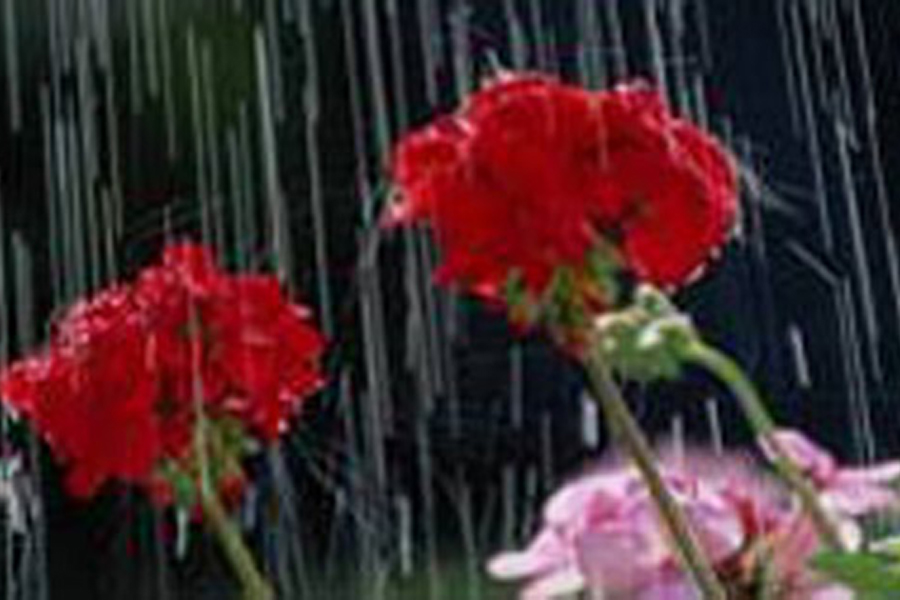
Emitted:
pixel 184 488
pixel 603 267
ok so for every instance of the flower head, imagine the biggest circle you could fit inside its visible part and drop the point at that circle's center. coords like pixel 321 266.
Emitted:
pixel 591 523
pixel 742 520
pixel 531 174
pixel 117 391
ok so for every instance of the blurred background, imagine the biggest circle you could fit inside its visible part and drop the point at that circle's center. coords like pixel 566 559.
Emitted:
pixel 263 128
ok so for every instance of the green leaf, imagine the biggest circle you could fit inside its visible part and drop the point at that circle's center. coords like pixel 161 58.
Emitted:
pixel 873 576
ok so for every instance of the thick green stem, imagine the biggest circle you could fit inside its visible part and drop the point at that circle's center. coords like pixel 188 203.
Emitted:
pixel 728 371
pixel 628 435
pixel 236 552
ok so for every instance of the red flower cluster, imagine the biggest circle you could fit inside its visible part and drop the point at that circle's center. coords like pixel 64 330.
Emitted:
pixel 119 386
pixel 530 173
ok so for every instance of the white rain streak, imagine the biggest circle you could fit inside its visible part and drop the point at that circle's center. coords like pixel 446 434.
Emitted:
pixel 657 49
pixel 811 127
pixel 616 40
pixel 282 531
pixel 369 208
pixel 590 422
pixel 249 227
pixel 541 45
pixel 432 44
pixel 425 472
pixel 136 89
pixel 375 398
pixel 398 89
pixel 216 198
pixel 201 155
pixel 278 221
pixel 510 535
pixel 460 44
pixel 517 385
pixel 844 136
pixel 11 50
pixel 149 27
pixel 678 60
pixel 870 118
pixel 87 151
pixel 403 508
pixel 590 45
pixel 716 435
pixel 371 453
pixel 168 87
pixel 272 41
pixel 35 570
pixel 860 254
pixel 548 471
pixel 797 344
pixel 860 416
pixel 787 62
pixel 377 82
pixel 519 53
pixel 311 105
pixel 677 438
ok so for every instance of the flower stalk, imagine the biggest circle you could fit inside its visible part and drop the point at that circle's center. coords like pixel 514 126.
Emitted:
pixel 253 582
pixel 727 370
pixel 236 552
pixel 629 437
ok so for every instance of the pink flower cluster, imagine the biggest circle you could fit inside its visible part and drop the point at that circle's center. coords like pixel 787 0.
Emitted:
pixel 601 532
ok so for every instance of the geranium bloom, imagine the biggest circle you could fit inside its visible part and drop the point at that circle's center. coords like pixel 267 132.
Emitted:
pixel 117 391
pixel 530 173
pixel 601 533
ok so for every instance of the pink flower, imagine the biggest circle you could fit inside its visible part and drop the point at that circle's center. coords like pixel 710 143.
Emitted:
pixel 601 532
pixel 849 492
pixel 593 522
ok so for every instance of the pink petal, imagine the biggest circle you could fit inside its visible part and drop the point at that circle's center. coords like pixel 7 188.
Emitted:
pixel 856 500
pixel 831 592
pixel 563 582
pixel 597 494
pixel 794 544
pixel 721 531
pixel 804 452
pixel 880 473
pixel 671 587
pixel 622 557
pixel 546 553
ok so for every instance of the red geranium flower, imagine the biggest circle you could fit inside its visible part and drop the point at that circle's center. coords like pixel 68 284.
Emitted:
pixel 264 350
pixel 92 394
pixel 530 174
pixel 116 392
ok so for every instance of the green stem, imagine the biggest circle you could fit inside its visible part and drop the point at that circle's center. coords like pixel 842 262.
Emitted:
pixel 728 371
pixel 236 552
pixel 628 435
pixel 253 582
